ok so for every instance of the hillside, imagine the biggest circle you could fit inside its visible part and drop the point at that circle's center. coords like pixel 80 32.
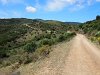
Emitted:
pixel 92 29
pixel 15 21
pixel 29 39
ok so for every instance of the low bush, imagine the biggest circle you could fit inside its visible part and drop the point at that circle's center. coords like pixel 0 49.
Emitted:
pixel 95 39
pixel 3 53
pixel 31 47
pixel 44 50
pixel 65 36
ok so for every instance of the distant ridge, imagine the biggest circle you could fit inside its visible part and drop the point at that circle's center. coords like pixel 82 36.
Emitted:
pixel 72 23
pixel 18 21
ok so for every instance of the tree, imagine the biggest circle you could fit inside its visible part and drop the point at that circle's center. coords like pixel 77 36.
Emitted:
pixel 97 17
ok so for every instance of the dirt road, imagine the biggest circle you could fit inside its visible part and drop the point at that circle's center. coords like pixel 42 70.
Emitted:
pixel 77 57
pixel 83 58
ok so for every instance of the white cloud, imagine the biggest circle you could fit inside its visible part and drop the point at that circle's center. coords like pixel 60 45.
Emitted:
pixel 11 1
pixel 54 5
pixel 31 9
pixel 76 7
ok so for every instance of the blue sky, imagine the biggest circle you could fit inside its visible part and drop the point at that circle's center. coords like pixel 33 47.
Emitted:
pixel 63 10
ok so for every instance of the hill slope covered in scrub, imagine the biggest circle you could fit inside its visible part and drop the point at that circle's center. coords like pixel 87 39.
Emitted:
pixel 25 40
pixel 92 29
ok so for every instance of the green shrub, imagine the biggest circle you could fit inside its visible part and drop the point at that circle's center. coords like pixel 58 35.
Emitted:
pixel 97 34
pixel 45 41
pixel 98 39
pixel 61 38
pixel 31 47
pixel 44 50
pixel 3 53
pixel 65 36
pixel 48 36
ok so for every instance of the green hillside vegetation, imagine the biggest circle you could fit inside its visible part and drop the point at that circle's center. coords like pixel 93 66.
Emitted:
pixel 92 29
pixel 26 40
pixel 15 21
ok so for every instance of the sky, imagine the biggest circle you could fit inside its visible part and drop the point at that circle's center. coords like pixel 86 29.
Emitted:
pixel 62 10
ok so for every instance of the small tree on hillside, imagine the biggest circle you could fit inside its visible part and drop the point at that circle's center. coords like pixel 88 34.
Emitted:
pixel 97 17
